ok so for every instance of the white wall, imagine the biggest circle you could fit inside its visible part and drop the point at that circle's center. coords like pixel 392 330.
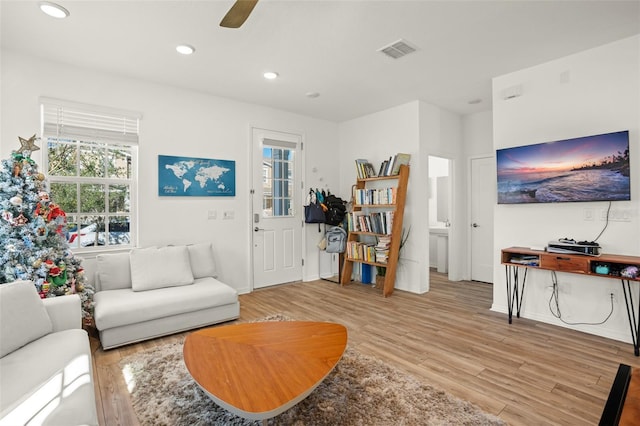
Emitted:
pixel 174 122
pixel 602 95
pixel 477 134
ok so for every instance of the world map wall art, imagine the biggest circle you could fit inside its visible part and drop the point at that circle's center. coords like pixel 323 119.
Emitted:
pixel 196 177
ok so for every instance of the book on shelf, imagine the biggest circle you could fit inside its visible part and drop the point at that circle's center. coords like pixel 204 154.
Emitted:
pixel 361 251
pixel 375 222
pixel 387 169
pixel 364 169
pixel 391 167
pixel 375 196
pixel 360 162
pixel 399 160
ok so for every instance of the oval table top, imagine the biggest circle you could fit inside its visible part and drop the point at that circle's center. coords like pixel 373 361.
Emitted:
pixel 258 370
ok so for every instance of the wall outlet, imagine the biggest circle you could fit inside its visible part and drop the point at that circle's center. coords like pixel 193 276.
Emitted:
pixel 228 214
pixel 616 215
pixel 212 214
pixel 588 214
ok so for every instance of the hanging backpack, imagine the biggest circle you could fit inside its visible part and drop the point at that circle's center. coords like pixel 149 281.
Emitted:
pixel 336 209
pixel 336 240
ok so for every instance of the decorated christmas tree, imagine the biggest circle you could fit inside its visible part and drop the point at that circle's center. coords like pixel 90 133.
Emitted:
pixel 32 232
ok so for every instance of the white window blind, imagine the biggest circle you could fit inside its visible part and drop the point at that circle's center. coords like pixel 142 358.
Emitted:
pixel 70 120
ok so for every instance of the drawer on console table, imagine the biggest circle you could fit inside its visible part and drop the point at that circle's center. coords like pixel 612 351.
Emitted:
pixel 565 263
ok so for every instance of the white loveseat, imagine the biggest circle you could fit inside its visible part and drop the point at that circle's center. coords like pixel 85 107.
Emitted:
pixel 46 376
pixel 152 292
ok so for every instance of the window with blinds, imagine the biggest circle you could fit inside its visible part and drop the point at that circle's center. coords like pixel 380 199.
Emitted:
pixel 91 164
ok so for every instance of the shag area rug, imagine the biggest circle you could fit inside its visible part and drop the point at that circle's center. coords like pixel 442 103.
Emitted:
pixel 361 390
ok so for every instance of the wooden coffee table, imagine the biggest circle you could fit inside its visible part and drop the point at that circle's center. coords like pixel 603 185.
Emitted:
pixel 258 370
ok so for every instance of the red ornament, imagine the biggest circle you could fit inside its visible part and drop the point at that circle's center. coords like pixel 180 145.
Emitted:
pixel 54 212
pixel 41 210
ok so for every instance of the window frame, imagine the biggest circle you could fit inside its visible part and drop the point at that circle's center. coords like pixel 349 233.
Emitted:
pixel 106 136
pixel 273 178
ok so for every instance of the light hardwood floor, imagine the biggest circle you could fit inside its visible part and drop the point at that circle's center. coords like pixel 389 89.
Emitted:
pixel 527 373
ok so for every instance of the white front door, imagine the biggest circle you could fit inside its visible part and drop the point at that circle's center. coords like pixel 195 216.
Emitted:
pixel 277 208
pixel 483 196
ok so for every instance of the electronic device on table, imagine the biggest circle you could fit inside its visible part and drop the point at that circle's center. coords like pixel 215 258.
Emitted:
pixel 570 246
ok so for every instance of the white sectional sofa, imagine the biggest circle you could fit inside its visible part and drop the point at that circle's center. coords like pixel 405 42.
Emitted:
pixel 46 375
pixel 152 292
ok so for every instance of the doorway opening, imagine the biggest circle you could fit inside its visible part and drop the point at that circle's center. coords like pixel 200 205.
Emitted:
pixel 440 212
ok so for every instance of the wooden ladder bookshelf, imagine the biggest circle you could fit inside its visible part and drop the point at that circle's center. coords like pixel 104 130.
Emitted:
pixel 391 265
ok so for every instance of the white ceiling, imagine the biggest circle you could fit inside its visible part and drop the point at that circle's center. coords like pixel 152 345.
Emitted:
pixel 328 47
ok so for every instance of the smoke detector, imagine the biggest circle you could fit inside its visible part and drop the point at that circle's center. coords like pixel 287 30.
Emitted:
pixel 398 49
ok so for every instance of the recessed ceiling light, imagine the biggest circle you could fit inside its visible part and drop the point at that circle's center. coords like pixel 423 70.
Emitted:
pixel 474 101
pixel 270 75
pixel 312 95
pixel 185 49
pixel 53 10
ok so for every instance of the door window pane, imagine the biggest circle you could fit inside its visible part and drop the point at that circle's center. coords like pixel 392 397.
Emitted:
pixel 278 177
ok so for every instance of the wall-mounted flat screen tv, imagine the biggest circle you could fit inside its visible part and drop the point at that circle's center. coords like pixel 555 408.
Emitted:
pixel 590 168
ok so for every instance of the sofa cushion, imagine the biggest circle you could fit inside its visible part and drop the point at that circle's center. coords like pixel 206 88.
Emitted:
pixel 49 382
pixel 123 307
pixel 113 270
pixel 202 262
pixel 23 317
pixel 154 268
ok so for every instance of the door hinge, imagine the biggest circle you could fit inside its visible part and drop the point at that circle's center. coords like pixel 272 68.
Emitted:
pixel 252 191
pixel 301 146
pixel 302 262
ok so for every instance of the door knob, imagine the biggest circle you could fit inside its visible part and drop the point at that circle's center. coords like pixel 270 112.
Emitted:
pixel 256 229
pixel 475 225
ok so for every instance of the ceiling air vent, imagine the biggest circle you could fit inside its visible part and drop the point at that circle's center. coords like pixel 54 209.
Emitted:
pixel 398 49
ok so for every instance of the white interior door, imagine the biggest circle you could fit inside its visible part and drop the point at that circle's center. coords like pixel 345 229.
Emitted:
pixel 277 208
pixel 483 195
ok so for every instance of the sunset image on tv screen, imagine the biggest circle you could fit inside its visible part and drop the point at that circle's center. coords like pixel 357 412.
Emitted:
pixel 590 168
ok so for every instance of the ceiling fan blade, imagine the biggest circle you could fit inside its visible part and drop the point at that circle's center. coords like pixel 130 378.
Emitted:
pixel 238 13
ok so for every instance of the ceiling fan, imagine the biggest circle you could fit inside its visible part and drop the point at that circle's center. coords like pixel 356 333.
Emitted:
pixel 238 13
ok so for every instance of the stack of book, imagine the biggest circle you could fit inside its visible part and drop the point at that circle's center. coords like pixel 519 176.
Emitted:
pixel 382 249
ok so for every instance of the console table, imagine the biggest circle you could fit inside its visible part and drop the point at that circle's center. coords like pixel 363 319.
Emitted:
pixel 518 260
